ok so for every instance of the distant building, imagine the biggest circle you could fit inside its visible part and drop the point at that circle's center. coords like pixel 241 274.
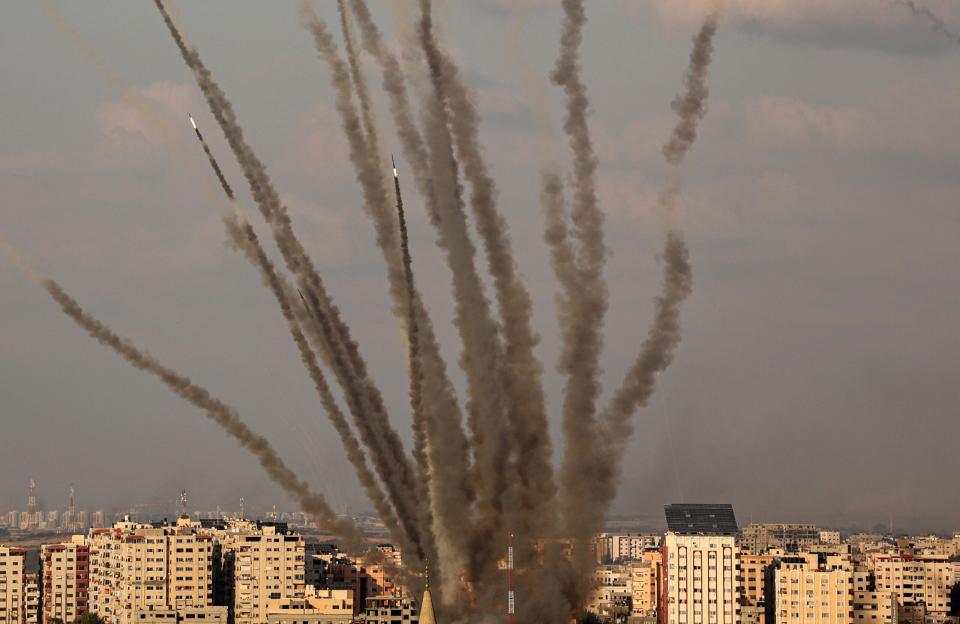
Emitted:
pixel 619 547
pixel 830 537
pixel 811 589
pixel 391 610
pixel 65 572
pixel 757 538
pixel 701 561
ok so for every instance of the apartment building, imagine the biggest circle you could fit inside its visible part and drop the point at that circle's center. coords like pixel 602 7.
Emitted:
pixel 138 571
pixel 701 565
pixel 65 574
pixel 871 607
pixel 811 589
pixel 753 587
pixel 262 570
pixel 12 585
pixel 916 580
pixel 31 598
pixel 619 547
pixel 644 584
pixel 757 538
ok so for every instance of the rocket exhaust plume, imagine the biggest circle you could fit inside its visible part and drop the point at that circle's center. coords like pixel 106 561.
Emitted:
pixel 451 488
pixel 521 371
pixel 378 435
pixel 416 374
pixel 937 24
pixel 242 236
pixel 369 175
pixel 482 355
pixel 583 304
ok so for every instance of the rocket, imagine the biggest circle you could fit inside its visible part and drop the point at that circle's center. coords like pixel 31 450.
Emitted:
pixel 392 162
pixel 195 128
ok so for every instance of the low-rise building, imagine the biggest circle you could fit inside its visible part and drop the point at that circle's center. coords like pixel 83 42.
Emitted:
pixel 916 581
pixel 871 607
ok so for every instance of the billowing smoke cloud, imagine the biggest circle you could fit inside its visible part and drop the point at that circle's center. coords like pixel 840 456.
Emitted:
pixel 937 24
pixel 376 432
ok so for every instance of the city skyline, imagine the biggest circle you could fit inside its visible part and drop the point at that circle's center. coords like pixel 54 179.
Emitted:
pixel 815 379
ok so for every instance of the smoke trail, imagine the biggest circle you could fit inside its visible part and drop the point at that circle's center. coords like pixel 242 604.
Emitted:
pixel 452 491
pixel 359 82
pixel 381 439
pixel 482 355
pixel 937 24
pixel 522 372
pixel 582 308
pixel 416 371
pixel 664 335
pixel 241 236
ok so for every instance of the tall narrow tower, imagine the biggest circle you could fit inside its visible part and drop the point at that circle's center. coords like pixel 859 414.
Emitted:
pixel 70 519
pixel 243 511
pixel 182 504
pixel 33 512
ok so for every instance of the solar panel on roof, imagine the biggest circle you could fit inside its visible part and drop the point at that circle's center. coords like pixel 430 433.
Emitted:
pixel 701 519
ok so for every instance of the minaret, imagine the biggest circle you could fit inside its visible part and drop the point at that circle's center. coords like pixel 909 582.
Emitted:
pixel 33 512
pixel 70 521
pixel 243 511
pixel 426 603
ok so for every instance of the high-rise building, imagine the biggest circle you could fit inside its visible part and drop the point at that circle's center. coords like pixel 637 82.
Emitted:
pixel 98 520
pixel 812 589
pixel 142 569
pixel 12 585
pixel 31 599
pixel 262 570
pixel 645 583
pixel 620 547
pixel 916 580
pixel 65 571
pixel 701 561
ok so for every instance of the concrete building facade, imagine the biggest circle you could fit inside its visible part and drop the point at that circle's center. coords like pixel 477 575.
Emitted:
pixel 65 574
pixel 809 590
pixel 12 585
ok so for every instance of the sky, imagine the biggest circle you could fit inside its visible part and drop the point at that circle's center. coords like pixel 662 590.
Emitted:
pixel 816 380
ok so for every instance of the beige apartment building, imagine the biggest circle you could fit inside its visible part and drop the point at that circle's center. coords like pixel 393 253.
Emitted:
pixel 138 571
pixel 645 585
pixel 31 598
pixel 808 589
pixel 753 587
pixel 916 580
pixel 65 574
pixel 871 607
pixel 263 572
pixel 12 585
pixel 701 560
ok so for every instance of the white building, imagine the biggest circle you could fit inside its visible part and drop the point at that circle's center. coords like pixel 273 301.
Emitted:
pixel 701 561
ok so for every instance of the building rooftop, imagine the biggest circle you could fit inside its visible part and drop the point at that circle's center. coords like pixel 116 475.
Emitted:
pixel 701 519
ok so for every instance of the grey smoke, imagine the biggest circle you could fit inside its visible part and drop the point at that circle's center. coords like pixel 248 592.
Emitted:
pixel 452 491
pixel 583 305
pixel 381 439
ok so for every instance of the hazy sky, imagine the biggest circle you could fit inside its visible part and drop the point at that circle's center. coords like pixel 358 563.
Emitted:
pixel 818 376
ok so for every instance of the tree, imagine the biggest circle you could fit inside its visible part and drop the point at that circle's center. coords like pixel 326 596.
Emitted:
pixel 89 618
